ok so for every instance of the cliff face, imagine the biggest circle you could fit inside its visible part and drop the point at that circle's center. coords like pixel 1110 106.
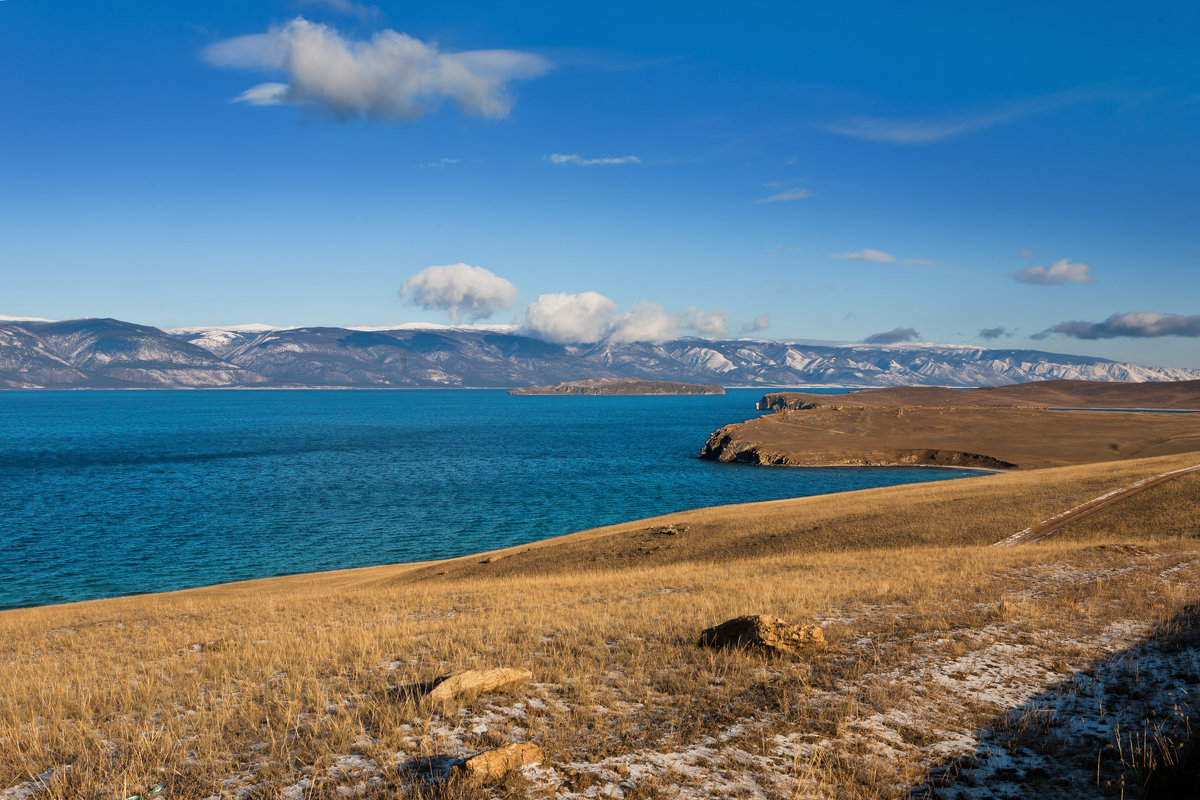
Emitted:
pixel 619 386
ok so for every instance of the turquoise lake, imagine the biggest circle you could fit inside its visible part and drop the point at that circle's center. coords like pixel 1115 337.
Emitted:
pixel 106 493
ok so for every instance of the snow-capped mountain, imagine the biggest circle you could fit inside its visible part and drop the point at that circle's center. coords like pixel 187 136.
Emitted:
pixel 110 354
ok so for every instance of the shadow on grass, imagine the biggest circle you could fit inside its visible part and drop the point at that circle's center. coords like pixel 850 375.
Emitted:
pixel 1125 727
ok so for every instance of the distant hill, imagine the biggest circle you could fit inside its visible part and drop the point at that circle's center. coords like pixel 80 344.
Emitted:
pixel 619 386
pixel 108 353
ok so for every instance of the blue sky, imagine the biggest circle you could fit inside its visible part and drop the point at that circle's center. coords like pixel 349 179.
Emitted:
pixel 1028 170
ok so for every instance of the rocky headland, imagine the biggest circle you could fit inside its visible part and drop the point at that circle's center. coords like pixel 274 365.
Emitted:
pixel 1002 428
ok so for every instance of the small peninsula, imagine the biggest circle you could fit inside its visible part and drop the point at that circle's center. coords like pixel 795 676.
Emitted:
pixel 620 386
pixel 1026 426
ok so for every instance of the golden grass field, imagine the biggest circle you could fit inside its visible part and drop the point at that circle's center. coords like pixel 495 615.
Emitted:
pixel 940 650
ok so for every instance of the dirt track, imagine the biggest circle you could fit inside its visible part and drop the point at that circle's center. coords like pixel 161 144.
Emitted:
pixel 1056 523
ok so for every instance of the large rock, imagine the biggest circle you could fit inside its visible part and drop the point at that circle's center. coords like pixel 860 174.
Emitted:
pixel 477 681
pixel 495 764
pixel 763 633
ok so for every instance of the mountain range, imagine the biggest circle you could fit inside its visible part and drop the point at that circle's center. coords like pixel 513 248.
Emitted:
pixel 111 354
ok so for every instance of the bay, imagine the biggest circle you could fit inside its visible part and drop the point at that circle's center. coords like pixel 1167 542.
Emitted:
pixel 108 493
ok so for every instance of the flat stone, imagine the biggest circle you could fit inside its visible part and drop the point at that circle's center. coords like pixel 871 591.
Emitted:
pixel 477 681
pixel 763 632
pixel 493 765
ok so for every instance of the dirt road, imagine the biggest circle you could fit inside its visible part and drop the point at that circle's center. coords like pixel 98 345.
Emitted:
pixel 1056 523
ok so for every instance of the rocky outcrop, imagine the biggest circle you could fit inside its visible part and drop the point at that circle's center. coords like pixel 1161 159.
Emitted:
pixel 620 386
pixel 475 682
pixel 724 445
pixel 493 765
pixel 762 632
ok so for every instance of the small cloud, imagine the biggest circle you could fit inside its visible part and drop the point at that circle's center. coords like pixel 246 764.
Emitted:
pixel 783 197
pixel 994 333
pixel 459 289
pixel 265 94
pixel 1026 253
pixel 792 161
pixel 1134 324
pixel 926 130
pixel 779 283
pixel 348 7
pixel 441 162
pixel 760 323
pixel 874 256
pixel 578 160
pixel 894 336
pixel 1061 271
pixel 390 76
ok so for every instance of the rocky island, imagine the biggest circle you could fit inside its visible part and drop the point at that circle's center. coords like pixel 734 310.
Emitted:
pixel 620 386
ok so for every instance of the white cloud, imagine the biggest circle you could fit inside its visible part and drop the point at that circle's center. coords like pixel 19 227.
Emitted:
pixel 570 318
pixel 1061 271
pixel 390 76
pixel 706 323
pixel 879 257
pixel 347 7
pixel 874 256
pixel 441 162
pixel 264 94
pixel 459 289
pixel 782 197
pixel 578 160
pixel 760 323
pixel 1026 253
pixel 592 317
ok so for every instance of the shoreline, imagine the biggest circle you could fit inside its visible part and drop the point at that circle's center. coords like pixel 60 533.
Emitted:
pixel 416 565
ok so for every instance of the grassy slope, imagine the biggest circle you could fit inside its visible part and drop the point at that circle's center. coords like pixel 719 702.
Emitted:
pixel 266 683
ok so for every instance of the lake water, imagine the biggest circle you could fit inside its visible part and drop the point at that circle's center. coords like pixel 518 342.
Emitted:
pixel 113 493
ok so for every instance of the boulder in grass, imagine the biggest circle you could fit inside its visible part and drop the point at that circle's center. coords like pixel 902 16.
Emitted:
pixel 477 681
pixel 762 632
pixel 493 765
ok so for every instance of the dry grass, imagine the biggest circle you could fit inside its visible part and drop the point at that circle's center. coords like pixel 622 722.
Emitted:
pixel 247 689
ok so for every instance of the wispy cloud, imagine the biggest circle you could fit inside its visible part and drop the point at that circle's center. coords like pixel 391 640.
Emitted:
pixel 760 323
pixel 349 8
pixel 783 197
pixel 389 76
pixel 925 130
pixel 1133 324
pixel 994 333
pixel 879 257
pixel 894 336
pixel 578 160
pixel 1061 271
pixel 441 162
